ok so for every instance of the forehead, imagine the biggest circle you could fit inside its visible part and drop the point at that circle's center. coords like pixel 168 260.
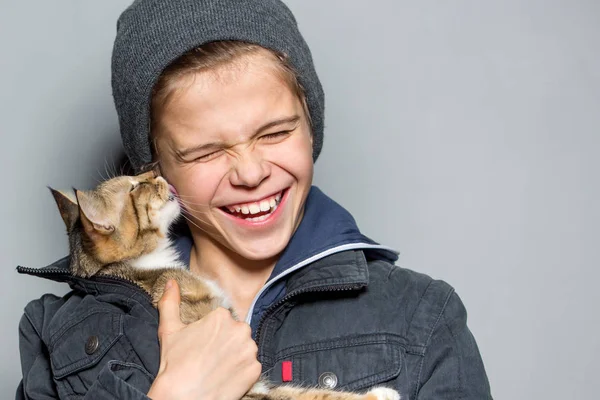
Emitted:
pixel 229 103
pixel 112 184
pixel 121 183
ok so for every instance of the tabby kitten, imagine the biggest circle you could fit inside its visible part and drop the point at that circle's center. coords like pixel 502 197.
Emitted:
pixel 120 229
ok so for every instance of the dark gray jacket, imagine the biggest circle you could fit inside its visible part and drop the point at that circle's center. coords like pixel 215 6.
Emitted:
pixel 349 319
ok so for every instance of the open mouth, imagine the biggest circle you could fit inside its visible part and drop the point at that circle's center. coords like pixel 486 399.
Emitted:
pixel 255 211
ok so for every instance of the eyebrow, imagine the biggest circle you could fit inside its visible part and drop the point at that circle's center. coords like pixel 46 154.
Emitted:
pixel 218 145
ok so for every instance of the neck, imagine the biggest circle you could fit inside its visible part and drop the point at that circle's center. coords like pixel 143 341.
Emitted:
pixel 164 256
pixel 240 278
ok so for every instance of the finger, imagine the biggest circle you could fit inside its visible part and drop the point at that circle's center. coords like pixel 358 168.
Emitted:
pixel 168 309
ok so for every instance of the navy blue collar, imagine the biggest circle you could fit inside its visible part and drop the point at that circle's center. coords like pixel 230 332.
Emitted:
pixel 326 225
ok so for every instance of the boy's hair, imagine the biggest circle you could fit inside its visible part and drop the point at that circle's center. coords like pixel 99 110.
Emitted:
pixel 209 57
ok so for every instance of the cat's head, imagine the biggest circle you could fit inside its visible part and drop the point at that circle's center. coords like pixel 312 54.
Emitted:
pixel 122 219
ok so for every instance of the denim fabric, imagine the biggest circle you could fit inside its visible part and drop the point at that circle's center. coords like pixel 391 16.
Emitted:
pixel 366 322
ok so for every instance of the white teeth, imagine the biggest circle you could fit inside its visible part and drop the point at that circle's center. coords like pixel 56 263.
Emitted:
pixel 255 208
pixel 261 218
pixel 265 205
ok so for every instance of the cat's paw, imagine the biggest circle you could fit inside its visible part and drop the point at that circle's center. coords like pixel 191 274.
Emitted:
pixel 383 393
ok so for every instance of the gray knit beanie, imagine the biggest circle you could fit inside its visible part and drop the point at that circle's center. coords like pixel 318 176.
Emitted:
pixel 153 33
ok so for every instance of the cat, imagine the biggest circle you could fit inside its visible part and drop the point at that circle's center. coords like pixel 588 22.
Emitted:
pixel 120 229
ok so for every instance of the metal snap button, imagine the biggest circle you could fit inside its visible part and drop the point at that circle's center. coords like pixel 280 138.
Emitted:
pixel 328 380
pixel 92 344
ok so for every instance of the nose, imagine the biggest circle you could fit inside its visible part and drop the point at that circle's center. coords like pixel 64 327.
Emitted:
pixel 249 170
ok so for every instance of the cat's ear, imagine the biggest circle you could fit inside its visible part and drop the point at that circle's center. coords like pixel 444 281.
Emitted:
pixel 92 219
pixel 67 206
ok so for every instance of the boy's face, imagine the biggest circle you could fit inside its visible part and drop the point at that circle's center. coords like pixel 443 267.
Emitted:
pixel 237 146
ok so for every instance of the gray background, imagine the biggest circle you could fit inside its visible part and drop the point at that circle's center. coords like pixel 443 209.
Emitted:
pixel 463 133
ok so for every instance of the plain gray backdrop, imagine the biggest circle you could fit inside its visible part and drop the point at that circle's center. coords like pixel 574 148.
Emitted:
pixel 463 133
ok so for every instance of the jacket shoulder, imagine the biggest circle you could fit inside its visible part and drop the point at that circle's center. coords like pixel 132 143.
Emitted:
pixel 412 285
pixel 40 311
pixel 424 300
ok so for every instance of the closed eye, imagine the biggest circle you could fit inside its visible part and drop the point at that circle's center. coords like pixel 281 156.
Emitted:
pixel 271 137
pixel 209 156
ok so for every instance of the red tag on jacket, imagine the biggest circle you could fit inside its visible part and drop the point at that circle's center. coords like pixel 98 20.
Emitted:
pixel 286 371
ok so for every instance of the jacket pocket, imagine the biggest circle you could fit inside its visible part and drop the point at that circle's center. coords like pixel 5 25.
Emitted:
pixel 349 363
pixel 79 350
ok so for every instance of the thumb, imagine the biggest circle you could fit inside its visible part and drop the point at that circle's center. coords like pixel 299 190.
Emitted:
pixel 168 309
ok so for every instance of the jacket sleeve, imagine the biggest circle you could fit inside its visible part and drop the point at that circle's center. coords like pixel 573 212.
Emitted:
pixel 452 366
pixel 117 380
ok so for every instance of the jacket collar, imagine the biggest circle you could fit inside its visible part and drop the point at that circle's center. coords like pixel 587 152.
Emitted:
pixel 344 269
pixel 326 226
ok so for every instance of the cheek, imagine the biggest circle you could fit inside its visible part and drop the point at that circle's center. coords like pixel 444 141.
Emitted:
pixel 295 155
pixel 196 184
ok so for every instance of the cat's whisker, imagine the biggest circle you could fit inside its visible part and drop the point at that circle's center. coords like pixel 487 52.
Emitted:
pixel 190 203
pixel 112 167
pixel 100 175
pixel 98 180
pixel 189 206
pixel 189 198
pixel 194 207
pixel 190 215
pixel 186 196
pixel 192 222
pixel 106 169
pixel 266 374
pixel 125 165
pixel 195 220
pixel 189 210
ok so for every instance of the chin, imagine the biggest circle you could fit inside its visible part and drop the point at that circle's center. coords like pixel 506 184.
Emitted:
pixel 260 251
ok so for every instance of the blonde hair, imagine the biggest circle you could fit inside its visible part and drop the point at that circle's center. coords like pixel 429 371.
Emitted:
pixel 211 56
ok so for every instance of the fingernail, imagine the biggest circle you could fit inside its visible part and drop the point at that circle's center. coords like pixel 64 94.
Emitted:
pixel 169 284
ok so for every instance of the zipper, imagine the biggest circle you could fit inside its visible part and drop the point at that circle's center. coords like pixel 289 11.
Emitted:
pixel 98 278
pixel 42 271
pixel 289 296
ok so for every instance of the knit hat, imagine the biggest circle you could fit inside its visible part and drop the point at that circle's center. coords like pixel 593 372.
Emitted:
pixel 153 33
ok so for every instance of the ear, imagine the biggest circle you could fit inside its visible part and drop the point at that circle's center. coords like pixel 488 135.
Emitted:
pixel 69 211
pixel 91 216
